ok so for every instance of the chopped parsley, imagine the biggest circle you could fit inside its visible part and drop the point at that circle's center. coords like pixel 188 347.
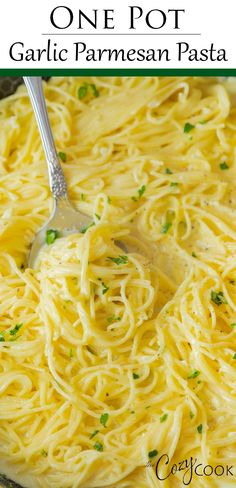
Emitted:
pixel 51 236
pixel 16 329
pixel 44 453
pixel 191 414
pixel 94 90
pixel 135 376
pixel 218 297
pixel 166 227
pixel 12 332
pixel 104 419
pixel 109 200
pixel 140 193
pixel 71 353
pixel 112 319
pixel 105 288
pixel 95 432
pixel 98 216
pixel 224 166
pixel 188 127
pixel 82 197
pixel 233 325
pixel 193 375
pixel 84 229
pixel 168 171
pixel 173 184
pixel 234 356
pixel 84 90
pixel 194 255
pixel 98 446
pixel 119 260
pixel 152 454
pixel 62 156
pixel 200 428
pixel 164 417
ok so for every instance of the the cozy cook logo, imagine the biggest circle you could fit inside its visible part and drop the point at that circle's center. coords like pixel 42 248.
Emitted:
pixel 188 468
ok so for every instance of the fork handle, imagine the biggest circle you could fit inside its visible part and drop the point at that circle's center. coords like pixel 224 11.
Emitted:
pixel 57 180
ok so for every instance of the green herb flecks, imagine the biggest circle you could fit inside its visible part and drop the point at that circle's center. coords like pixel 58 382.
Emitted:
pixel 43 453
pixel 152 454
pixel 71 353
pixel 163 418
pixel 165 228
pixel 84 229
pixel 193 375
pixel 82 91
pixel 51 236
pixel 98 446
pixel 119 260
pixel 200 428
pixel 224 166
pixel 140 193
pixel 13 332
pixel 191 414
pixel 86 89
pixel 168 171
pixel 104 419
pixel 218 297
pixel 105 288
pixel 113 319
pixel 94 433
pixel 136 376
pixel 94 90
pixel 173 184
pixel 188 128
pixel 62 156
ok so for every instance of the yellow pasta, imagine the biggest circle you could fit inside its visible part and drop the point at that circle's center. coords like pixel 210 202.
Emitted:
pixel 112 358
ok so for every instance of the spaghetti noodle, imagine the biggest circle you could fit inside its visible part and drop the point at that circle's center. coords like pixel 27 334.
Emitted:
pixel 110 359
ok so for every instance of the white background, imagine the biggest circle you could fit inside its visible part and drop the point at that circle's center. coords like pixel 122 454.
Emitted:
pixel 26 20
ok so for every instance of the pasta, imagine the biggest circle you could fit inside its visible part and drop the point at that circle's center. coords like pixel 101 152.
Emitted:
pixel 111 358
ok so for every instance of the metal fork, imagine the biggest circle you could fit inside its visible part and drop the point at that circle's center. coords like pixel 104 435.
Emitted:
pixel 64 219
